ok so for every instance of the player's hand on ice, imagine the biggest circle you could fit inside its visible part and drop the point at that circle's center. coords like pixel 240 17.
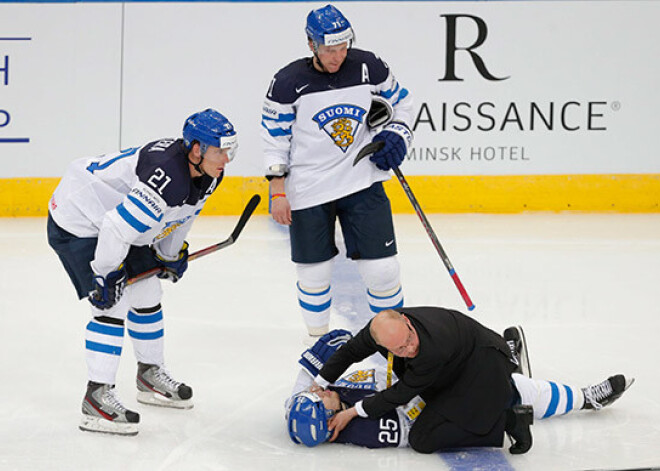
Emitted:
pixel 107 290
pixel 281 210
pixel 339 421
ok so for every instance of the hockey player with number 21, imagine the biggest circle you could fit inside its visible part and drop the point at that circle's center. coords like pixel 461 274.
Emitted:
pixel 318 113
pixel 118 215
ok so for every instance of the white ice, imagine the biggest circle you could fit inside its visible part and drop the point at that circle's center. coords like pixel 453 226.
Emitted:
pixel 584 286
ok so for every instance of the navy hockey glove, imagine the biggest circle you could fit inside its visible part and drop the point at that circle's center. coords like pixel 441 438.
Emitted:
pixel 314 358
pixel 173 269
pixel 396 137
pixel 108 290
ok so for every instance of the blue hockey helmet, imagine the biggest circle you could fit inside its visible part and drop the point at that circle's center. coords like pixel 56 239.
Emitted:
pixel 308 419
pixel 210 128
pixel 327 26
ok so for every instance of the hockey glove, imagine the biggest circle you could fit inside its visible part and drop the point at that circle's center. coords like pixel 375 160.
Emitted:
pixel 173 269
pixel 108 290
pixel 314 358
pixel 397 137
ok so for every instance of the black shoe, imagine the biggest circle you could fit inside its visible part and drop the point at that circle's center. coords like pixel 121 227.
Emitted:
pixel 606 392
pixel 515 338
pixel 518 421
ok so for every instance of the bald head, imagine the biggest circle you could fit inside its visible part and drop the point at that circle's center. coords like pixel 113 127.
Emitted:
pixel 393 331
pixel 385 324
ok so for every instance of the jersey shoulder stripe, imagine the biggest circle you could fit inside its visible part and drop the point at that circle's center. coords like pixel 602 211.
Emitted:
pixel 132 220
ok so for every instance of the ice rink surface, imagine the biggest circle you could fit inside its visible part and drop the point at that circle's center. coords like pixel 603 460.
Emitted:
pixel 584 286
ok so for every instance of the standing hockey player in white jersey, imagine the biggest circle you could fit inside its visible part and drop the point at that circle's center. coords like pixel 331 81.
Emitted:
pixel 311 411
pixel 318 113
pixel 118 215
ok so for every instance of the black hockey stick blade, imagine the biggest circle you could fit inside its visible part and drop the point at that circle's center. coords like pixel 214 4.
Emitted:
pixel 368 150
pixel 247 213
pixel 242 221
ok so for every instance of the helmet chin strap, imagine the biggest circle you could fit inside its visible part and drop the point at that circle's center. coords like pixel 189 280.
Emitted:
pixel 318 59
pixel 197 166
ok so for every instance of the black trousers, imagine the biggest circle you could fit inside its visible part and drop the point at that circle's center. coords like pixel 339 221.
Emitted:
pixel 76 253
pixel 432 432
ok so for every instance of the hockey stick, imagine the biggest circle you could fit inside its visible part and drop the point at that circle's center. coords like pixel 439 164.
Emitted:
pixel 376 146
pixel 247 212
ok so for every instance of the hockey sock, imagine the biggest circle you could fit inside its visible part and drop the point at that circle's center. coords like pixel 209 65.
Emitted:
pixel 381 300
pixel 315 306
pixel 548 398
pixel 145 327
pixel 383 283
pixel 104 339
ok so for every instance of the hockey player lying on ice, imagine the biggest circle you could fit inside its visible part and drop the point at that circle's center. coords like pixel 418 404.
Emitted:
pixel 459 385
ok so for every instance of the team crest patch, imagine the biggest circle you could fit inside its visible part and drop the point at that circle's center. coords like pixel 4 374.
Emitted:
pixel 341 123
pixel 360 379
pixel 171 227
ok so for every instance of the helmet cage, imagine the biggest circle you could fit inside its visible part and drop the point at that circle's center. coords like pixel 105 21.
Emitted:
pixel 307 420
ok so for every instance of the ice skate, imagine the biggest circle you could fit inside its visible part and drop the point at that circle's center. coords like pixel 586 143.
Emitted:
pixel 157 387
pixel 515 338
pixel 606 392
pixel 103 412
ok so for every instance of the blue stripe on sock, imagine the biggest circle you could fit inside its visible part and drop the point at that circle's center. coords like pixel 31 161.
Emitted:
pixel 102 348
pixel 146 335
pixel 554 400
pixel 106 329
pixel 569 399
pixel 149 319
pixel 315 307
pixel 377 309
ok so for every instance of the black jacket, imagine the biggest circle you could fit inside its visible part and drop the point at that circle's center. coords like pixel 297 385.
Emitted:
pixel 462 364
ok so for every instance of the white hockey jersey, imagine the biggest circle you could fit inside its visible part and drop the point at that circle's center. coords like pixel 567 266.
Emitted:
pixel 139 196
pixel 314 123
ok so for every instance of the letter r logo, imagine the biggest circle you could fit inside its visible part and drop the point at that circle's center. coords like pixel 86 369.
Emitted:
pixel 452 47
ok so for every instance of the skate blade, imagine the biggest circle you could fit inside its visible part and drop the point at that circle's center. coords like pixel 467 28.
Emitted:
pixel 99 425
pixel 155 399
pixel 629 382
pixel 524 355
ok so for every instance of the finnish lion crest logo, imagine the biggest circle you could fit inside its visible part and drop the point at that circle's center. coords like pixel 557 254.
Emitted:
pixel 341 123
pixel 360 379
